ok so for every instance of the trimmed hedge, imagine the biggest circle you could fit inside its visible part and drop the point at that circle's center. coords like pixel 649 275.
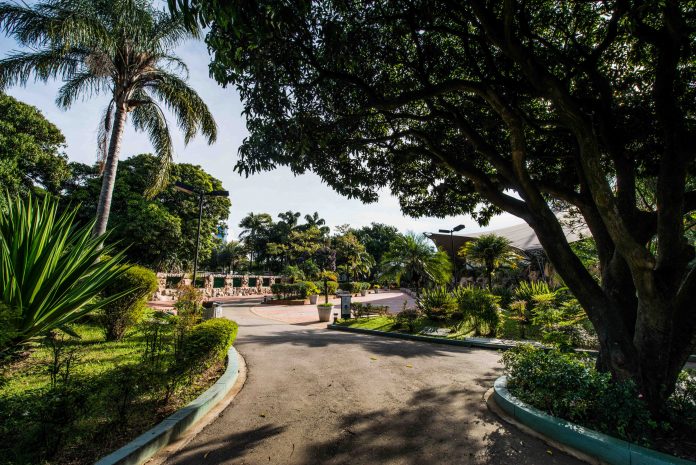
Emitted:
pixel 290 291
pixel 122 314
pixel 205 344
pixel 354 287
pixel 332 285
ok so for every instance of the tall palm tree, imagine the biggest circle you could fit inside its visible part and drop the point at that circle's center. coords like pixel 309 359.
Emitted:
pixel 119 47
pixel 314 220
pixel 491 252
pixel 411 257
pixel 255 226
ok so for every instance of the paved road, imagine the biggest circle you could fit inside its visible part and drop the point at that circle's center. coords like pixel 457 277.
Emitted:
pixel 315 396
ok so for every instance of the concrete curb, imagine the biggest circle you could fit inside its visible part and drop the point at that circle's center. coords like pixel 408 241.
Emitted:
pixel 583 441
pixel 174 426
pixel 480 342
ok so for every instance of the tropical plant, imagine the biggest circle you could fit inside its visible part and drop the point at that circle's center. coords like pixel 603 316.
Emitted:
pixel 479 309
pixel 412 259
pixel 316 221
pixel 437 303
pixel 52 270
pixel 491 252
pixel 254 227
pixel 120 47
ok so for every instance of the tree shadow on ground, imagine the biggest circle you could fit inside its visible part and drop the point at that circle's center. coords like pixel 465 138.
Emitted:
pixel 373 344
pixel 440 426
pixel 226 448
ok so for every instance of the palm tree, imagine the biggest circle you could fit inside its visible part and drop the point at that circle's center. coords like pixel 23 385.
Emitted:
pixel 254 226
pixel 314 220
pixel 411 257
pixel 490 251
pixel 119 47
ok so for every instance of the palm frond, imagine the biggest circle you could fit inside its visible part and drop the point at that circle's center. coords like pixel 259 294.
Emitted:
pixel 82 85
pixel 104 134
pixel 192 113
pixel 148 117
pixel 18 67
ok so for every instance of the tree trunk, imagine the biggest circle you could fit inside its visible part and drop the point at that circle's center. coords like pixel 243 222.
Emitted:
pixel 110 168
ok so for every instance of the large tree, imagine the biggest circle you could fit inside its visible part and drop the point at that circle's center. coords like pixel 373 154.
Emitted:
pixel 123 48
pixel 160 232
pixel 30 150
pixel 514 106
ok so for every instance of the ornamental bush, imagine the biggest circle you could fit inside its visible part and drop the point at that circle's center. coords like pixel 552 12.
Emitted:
pixel 437 303
pixel 206 344
pixel 478 308
pixel 566 385
pixel 290 291
pixel 123 313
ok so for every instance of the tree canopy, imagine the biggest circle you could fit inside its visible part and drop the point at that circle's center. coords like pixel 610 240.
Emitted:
pixel 160 232
pixel 480 107
pixel 30 150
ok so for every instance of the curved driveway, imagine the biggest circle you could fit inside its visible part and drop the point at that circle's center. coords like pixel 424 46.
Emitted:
pixel 315 396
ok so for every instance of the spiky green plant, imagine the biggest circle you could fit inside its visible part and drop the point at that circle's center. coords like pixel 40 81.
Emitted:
pixel 123 48
pixel 411 258
pixel 52 270
pixel 491 252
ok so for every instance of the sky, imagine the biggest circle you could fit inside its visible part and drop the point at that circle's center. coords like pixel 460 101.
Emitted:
pixel 271 192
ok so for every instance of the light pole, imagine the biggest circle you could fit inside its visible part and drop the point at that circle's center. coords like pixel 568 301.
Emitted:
pixel 189 189
pixel 454 255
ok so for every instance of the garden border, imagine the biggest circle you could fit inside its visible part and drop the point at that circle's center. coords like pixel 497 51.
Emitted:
pixel 480 342
pixel 174 426
pixel 579 441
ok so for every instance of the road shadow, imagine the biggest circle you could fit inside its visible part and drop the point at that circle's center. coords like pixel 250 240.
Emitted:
pixel 225 448
pixel 439 426
pixel 375 344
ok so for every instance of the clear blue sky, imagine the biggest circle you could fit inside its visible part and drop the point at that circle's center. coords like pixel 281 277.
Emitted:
pixel 270 192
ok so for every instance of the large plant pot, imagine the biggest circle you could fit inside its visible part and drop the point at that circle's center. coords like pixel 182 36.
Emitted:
pixel 363 292
pixel 324 312
pixel 313 299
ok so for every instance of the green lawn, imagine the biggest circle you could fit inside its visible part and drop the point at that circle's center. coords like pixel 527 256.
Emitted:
pixel 388 323
pixel 109 397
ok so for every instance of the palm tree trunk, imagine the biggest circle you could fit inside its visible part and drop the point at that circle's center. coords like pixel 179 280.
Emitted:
pixel 109 176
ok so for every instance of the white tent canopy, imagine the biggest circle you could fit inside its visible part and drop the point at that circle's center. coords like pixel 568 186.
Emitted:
pixel 521 237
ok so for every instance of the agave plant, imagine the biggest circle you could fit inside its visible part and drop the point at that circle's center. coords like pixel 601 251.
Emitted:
pixel 52 270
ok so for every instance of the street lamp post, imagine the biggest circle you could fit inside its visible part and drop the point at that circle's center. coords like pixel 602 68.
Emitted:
pixel 189 189
pixel 454 255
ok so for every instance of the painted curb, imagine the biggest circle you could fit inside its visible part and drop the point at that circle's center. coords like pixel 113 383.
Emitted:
pixel 481 342
pixel 168 430
pixel 603 447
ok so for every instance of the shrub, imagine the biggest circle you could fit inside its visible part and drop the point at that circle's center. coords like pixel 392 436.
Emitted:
pixel 332 285
pixel 312 289
pixel 479 308
pixel 290 291
pixel 567 386
pixel 437 303
pixel 189 311
pixel 527 290
pixel 407 319
pixel 206 344
pixel 123 313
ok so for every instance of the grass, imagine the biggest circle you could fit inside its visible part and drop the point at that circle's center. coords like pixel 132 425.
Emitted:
pixel 109 397
pixel 388 324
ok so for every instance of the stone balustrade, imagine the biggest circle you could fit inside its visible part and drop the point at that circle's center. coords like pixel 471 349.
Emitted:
pixel 215 284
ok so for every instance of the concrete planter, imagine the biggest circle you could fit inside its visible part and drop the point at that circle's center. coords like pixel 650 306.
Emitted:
pixel 324 312
pixel 585 443
pixel 363 292
pixel 313 299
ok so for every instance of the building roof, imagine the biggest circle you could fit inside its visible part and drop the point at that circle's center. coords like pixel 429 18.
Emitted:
pixel 521 237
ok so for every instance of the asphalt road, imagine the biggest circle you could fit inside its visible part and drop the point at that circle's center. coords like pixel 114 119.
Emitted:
pixel 315 396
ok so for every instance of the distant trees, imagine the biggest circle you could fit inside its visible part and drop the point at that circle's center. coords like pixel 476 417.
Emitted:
pixel 159 232
pixel 412 260
pixel 31 155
